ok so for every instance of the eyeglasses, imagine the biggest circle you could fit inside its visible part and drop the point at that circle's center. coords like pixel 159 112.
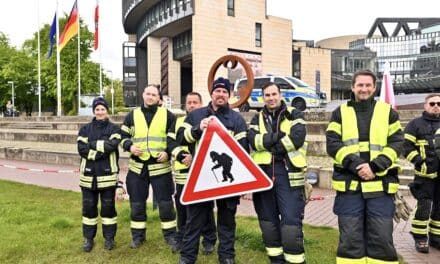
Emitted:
pixel 434 103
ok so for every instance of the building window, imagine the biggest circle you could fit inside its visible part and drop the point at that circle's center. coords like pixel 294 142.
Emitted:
pixel 231 7
pixel 257 34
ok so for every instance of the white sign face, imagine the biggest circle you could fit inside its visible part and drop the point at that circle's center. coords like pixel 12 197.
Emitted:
pixel 221 168
pixel 213 178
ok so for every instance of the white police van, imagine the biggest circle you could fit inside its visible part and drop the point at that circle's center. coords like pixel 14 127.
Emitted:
pixel 295 93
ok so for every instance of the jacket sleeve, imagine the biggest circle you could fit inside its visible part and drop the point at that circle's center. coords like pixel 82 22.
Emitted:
pixel 84 148
pixel 410 151
pixel 173 148
pixel 296 137
pixel 255 138
pixel 189 132
pixel 241 132
pixel 177 153
pixel 336 148
pixel 261 141
pixel 127 131
pixel 110 144
pixel 394 147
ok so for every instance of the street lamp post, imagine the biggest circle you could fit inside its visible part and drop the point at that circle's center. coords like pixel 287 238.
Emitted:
pixel 13 100
pixel 112 92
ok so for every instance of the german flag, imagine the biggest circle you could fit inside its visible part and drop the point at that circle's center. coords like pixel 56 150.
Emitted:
pixel 71 28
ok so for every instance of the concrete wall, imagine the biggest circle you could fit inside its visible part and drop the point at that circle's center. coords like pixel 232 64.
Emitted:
pixel 214 32
pixel 173 76
pixel 341 42
pixel 153 60
pixel 312 60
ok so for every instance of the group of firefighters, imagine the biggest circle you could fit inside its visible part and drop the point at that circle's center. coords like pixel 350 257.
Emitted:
pixel 364 138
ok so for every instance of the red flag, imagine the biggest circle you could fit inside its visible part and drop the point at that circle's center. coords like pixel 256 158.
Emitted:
pixel 71 28
pixel 386 90
pixel 96 25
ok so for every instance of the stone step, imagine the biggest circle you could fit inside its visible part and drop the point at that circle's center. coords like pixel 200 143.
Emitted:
pixel 313 128
pixel 66 154
pixel 42 125
pixel 34 135
pixel 310 115
pixel 70 157
pixel 316 146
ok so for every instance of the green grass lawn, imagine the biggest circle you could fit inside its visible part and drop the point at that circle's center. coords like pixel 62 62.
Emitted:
pixel 43 225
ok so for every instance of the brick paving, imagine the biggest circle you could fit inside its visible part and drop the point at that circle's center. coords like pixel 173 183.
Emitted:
pixel 318 212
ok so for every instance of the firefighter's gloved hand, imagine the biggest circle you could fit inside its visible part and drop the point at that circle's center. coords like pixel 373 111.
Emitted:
pixel 403 210
pixel 308 189
pixel 414 188
pixel 277 136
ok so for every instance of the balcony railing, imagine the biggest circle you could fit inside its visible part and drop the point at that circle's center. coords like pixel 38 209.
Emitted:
pixel 161 14
pixel 182 45
pixel 128 5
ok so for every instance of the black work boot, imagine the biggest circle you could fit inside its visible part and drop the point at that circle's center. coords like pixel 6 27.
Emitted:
pixel 136 243
pixel 227 261
pixel 88 244
pixel 422 246
pixel 434 243
pixel 109 243
pixel 174 245
pixel 208 249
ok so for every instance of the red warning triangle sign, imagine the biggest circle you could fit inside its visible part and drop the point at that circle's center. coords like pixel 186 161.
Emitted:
pixel 221 168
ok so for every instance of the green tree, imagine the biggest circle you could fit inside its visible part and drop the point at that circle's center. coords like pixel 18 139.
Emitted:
pixel 6 54
pixel 21 70
pixel 69 68
pixel 118 96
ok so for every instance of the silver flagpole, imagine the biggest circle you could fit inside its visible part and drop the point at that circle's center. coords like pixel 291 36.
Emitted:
pixel 79 62
pixel 58 66
pixel 39 59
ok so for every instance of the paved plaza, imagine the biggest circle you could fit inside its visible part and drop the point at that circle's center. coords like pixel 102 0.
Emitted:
pixel 318 212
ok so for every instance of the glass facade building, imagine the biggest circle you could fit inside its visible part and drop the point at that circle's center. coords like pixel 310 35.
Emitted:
pixel 414 58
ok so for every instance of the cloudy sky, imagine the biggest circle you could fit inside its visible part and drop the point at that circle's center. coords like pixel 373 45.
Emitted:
pixel 312 20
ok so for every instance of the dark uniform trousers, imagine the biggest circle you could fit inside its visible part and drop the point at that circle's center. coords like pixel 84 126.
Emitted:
pixel 427 215
pixel 90 210
pixel 209 230
pixel 163 188
pixel 280 213
pixel 365 226
pixel 198 215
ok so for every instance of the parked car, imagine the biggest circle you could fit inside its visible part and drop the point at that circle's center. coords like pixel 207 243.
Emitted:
pixel 295 92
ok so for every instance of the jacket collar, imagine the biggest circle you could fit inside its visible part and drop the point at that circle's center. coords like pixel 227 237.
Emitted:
pixel 363 105
pixel 224 110
pixel 151 109
pixel 282 108
pixel 430 117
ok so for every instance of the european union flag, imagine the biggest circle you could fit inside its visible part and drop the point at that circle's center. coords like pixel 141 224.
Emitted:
pixel 53 32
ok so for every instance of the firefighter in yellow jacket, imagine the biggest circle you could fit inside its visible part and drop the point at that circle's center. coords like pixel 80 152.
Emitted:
pixel 145 134
pixel 277 134
pixel 364 138
pixel 193 101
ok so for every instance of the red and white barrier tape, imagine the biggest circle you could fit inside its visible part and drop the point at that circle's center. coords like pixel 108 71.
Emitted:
pixel 38 170
pixel 313 198
pixel 320 197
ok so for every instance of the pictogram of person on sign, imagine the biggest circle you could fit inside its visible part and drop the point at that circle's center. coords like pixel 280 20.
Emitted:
pixel 224 161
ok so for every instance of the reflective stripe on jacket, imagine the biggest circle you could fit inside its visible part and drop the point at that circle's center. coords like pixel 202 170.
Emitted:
pixel 152 140
pixel 297 157
pixel 180 169
pixel 377 145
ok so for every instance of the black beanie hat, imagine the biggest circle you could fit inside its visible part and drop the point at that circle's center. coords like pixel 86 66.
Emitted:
pixel 221 83
pixel 99 101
